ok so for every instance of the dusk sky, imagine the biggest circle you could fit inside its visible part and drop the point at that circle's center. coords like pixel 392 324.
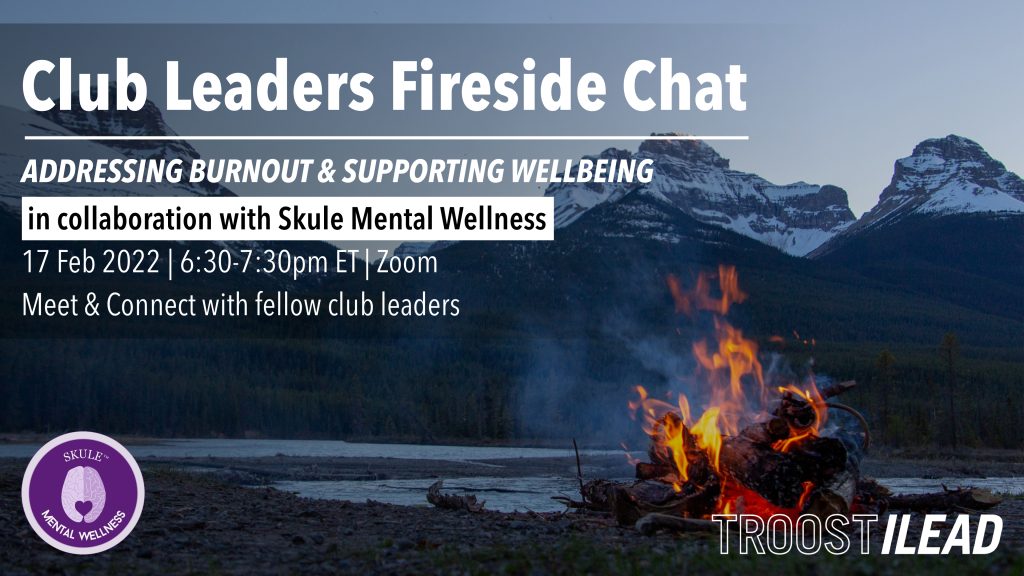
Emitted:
pixel 837 91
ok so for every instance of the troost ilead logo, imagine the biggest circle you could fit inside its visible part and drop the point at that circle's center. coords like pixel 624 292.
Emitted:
pixel 83 493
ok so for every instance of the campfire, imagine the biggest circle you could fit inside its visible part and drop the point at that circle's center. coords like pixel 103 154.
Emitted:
pixel 766 442
pixel 756 447
pixel 750 440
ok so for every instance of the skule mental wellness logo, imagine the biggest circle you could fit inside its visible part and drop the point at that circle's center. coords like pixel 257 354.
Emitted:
pixel 83 493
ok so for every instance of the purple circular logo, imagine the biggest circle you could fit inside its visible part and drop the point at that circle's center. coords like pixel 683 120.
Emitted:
pixel 83 493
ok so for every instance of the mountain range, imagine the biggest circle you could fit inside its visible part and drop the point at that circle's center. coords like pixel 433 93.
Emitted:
pixel 947 176
pixel 948 226
pixel 943 177
pixel 552 332
pixel 795 218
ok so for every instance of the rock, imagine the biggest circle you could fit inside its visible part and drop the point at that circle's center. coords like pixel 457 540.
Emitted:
pixel 945 176
pixel 691 176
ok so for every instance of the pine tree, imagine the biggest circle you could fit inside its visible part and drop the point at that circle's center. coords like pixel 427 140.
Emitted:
pixel 949 352
pixel 884 371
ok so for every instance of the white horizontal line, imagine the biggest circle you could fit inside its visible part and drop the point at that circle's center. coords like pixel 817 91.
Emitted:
pixel 388 138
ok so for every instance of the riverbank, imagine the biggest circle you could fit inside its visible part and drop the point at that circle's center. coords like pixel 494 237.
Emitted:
pixel 269 469
pixel 196 523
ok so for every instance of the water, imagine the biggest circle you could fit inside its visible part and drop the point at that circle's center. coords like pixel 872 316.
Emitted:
pixel 214 448
pixel 534 493
pixel 502 494
pixel 1009 485
pixel 506 494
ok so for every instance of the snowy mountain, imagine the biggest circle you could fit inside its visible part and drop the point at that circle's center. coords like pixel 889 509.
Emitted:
pixel 795 218
pixel 15 152
pixel 949 225
pixel 944 176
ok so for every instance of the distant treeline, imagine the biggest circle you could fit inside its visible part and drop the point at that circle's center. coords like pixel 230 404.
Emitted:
pixel 436 389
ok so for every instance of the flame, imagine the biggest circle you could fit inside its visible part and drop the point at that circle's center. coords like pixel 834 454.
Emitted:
pixel 700 297
pixel 731 376
pixel 813 398
pixel 708 434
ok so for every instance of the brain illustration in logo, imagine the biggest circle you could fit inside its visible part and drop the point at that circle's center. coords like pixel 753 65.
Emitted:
pixel 83 495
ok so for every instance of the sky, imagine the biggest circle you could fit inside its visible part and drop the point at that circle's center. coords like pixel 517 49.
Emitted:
pixel 837 91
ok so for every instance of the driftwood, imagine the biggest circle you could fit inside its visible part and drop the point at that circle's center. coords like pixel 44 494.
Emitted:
pixel 579 467
pixel 780 459
pixel 838 388
pixel 598 494
pixel 656 521
pixel 960 498
pixel 628 502
pixel 452 501
pixel 871 497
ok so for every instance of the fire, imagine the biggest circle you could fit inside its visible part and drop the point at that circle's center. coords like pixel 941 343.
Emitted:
pixel 708 434
pixel 732 386
pixel 810 397
pixel 700 297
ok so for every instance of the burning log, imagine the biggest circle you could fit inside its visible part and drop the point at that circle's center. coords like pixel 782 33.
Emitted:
pixel 649 471
pixel 693 462
pixel 799 409
pixel 452 501
pixel 768 432
pixel 781 477
pixel 783 463
pixel 773 475
pixel 960 498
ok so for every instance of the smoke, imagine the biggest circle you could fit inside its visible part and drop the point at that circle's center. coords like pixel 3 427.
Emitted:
pixel 579 387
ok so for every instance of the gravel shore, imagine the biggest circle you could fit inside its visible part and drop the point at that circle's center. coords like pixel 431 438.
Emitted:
pixel 197 523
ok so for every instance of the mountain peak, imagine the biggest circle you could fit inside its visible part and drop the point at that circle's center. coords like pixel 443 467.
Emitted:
pixel 952 146
pixel 950 175
pixel 696 151
pixel 692 177
pixel 147 121
pixel 949 157
pixel 943 176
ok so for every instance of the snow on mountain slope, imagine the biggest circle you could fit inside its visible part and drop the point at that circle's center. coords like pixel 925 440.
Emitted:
pixel 795 218
pixel 951 175
pixel 15 152
pixel 148 121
